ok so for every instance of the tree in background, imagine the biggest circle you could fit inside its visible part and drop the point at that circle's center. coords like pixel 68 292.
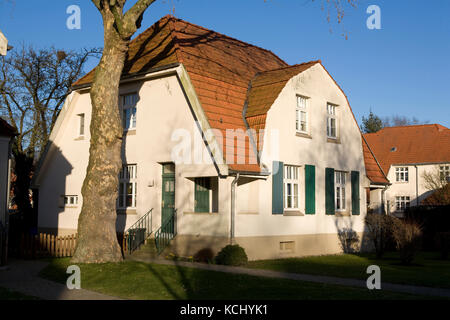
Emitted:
pixel 436 181
pixel 371 124
pixel 374 123
pixel 401 121
pixel 33 87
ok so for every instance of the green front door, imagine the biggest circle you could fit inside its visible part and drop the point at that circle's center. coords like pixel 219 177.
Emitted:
pixel 168 197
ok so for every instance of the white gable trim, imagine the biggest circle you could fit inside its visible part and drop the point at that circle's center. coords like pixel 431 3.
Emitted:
pixel 191 96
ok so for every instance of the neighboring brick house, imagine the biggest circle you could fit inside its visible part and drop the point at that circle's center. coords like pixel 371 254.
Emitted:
pixel 282 168
pixel 405 153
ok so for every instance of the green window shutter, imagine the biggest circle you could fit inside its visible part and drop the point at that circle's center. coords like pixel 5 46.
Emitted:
pixel 355 192
pixel 202 194
pixel 310 189
pixel 329 191
pixel 277 188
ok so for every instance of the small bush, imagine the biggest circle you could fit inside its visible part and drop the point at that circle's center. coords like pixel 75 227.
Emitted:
pixel 349 240
pixel 443 243
pixel 205 255
pixel 408 238
pixel 232 255
pixel 380 228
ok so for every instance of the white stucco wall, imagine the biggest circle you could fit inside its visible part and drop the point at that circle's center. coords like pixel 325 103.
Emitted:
pixel 347 156
pixel 161 110
pixel 415 188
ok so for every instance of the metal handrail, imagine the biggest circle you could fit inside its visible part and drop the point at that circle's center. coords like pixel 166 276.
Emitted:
pixel 166 233
pixel 139 232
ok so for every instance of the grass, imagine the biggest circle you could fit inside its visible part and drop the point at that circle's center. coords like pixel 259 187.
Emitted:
pixel 6 294
pixel 427 269
pixel 137 280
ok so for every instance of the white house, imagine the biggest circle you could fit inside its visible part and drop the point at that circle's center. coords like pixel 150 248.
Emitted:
pixel 405 154
pixel 226 136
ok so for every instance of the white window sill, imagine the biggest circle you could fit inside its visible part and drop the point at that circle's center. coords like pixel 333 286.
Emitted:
pixel 130 132
pixel 303 135
pixel 292 213
pixel 200 213
pixel 128 212
pixel 68 207
pixel 333 140
pixel 343 213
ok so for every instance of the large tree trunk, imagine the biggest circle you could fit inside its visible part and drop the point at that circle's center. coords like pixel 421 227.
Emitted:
pixel 97 240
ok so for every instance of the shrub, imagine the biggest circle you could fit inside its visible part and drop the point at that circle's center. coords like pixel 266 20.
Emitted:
pixel 205 255
pixel 349 240
pixel 380 231
pixel 432 220
pixel 443 243
pixel 408 238
pixel 232 255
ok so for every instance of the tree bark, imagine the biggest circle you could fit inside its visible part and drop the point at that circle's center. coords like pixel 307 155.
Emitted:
pixel 97 238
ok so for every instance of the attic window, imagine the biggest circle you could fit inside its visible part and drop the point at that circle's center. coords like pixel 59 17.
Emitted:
pixel 393 149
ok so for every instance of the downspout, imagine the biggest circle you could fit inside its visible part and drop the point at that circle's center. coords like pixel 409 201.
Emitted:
pixel 233 207
pixel 383 200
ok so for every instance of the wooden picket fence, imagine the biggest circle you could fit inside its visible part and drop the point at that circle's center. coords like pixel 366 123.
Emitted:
pixel 46 245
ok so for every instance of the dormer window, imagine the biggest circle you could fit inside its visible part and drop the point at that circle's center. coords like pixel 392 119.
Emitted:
pixel 301 123
pixel 331 121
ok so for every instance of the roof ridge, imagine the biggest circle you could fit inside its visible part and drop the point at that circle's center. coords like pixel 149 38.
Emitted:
pixel 290 66
pixel 169 16
pixel 437 125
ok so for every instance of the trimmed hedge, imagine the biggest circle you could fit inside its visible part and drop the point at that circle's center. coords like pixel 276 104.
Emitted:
pixel 232 255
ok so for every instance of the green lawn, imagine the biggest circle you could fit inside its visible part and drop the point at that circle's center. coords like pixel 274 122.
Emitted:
pixel 137 280
pixel 427 270
pixel 6 294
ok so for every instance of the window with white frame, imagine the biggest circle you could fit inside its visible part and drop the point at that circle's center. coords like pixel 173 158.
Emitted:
pixel 331 121
pixel 301 123
pixel 69 201
pixel 129 102
pixel 402 174
pixel 340 181
pixel 401 203
pixel 81 119
pixel 127 187
pixel 444 172
pixel 291 183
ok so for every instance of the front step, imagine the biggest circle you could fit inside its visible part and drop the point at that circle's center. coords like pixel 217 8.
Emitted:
pixel 147 251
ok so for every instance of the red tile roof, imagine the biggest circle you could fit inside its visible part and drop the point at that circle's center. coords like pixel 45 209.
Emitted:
pixel 373 168
pixel 221 69
pixel 410 145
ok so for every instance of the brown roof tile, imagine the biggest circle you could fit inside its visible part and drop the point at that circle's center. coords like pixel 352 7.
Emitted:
pixel 221 69
pixel 410 145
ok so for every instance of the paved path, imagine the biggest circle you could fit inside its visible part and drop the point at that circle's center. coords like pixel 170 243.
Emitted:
pixel 417 290
pixel 22 276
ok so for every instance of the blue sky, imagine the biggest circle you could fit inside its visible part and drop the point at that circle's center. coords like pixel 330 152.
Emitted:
pixel 402 69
